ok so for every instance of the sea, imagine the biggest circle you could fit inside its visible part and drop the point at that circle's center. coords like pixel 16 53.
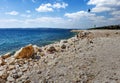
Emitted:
pixel 12 39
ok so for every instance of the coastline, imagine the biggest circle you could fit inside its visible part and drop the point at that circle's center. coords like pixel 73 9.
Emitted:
pixel 77 54
pixel 39 36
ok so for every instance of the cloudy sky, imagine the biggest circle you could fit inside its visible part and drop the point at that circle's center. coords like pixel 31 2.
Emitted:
pixel 58 13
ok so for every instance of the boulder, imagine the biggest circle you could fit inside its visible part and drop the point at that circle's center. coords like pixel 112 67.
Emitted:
pixel 51 49
pixel 6 55
pixel 25 52
pixel 2 62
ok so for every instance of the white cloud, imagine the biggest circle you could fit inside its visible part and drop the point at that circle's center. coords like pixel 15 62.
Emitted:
pixel 115 13
pixel 104 5
pixel 101 9
pixel 58 5
pixel 78 14
pixel 80 19
pixel 44 8
pixel 84 19
pixel 12 13
pixel 50 7
pixel 82 15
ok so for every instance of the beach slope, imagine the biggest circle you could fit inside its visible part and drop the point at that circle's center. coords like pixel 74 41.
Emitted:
pixel 92 56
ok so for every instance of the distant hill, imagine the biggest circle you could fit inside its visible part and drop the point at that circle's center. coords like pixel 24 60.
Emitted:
pixel 110 27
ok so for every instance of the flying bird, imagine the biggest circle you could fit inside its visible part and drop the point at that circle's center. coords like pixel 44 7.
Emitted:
pixel 89 10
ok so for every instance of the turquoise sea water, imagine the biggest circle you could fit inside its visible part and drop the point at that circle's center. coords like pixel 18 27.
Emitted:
pixel 13 39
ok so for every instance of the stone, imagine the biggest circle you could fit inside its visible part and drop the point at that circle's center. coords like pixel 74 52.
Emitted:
pixel 37 49
pixel 63 41
pixel 24 68
pixel 15 76
pixel 25 77
pixel 3 74
pixel 10 79
pixel 2 62
pixel 25 52
pixel 14 71
pixel 20 73
pixel 63 46
pixel 10 60
pixel 27 81
pixel 70 41
pixel 6 55
pixel 40 54
pixel 2 81
pixel 51 49
pixel 11 67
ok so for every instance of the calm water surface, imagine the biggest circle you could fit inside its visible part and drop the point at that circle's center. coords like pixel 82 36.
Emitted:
pixel 13 39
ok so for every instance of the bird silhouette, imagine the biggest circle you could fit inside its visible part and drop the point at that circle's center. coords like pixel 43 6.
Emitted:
pixel 89 10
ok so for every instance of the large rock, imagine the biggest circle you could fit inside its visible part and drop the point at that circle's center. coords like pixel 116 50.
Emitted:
pixel 25 52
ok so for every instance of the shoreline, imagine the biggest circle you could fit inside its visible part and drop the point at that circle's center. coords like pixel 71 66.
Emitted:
pixel 31 58
pixel 10 42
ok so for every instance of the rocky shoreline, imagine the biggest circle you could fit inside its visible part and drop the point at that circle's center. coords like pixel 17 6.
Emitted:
pixel 68 61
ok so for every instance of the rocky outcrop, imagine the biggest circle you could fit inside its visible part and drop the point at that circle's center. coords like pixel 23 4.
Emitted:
pixel 25 52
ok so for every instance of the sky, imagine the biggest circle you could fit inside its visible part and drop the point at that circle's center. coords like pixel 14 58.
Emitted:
pixel 59 13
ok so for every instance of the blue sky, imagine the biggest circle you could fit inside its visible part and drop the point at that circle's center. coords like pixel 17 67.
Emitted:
pixel 58 13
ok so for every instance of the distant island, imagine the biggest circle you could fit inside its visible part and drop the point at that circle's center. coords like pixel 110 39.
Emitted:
pixel 111 27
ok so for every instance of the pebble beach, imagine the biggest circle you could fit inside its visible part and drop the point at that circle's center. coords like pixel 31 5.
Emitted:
pixel 91 56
